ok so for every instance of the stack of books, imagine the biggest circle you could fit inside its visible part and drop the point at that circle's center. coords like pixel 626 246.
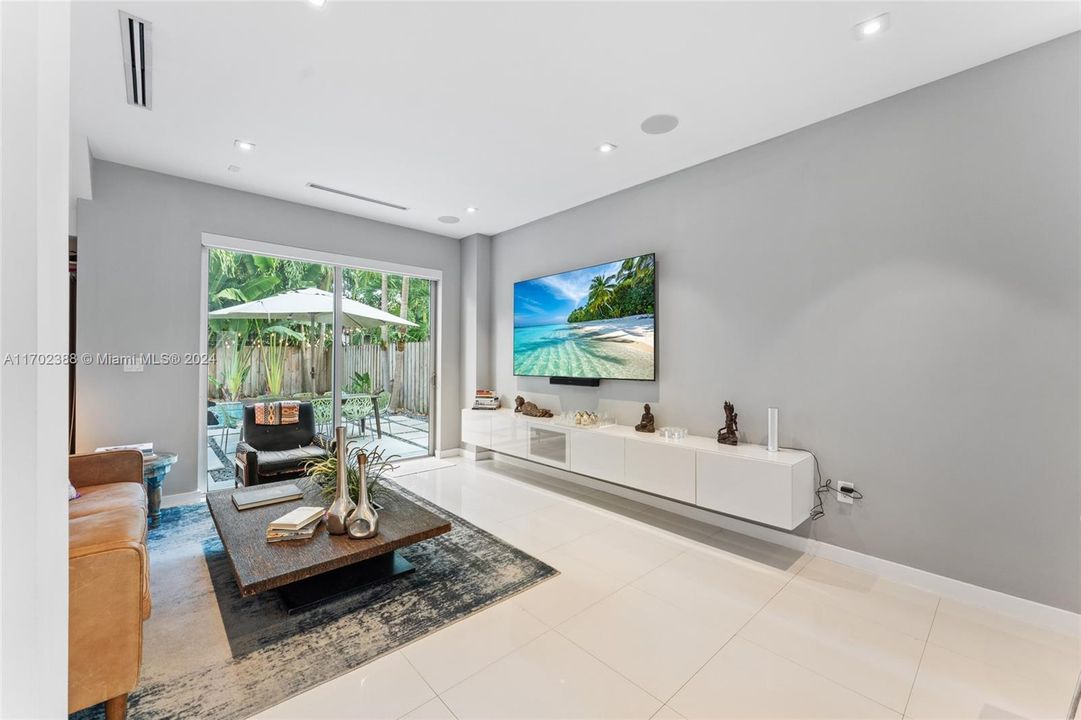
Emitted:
pixel 486 400
pixel 299 524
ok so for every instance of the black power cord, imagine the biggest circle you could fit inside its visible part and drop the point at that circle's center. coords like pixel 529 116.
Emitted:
pixel 818 509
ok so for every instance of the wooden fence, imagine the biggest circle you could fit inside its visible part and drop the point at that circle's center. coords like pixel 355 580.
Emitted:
pixel 416 372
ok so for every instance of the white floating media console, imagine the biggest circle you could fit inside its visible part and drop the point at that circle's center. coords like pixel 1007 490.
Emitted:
pixel 774 488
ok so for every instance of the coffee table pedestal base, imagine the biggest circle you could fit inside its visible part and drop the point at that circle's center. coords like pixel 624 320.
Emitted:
pixel 311 592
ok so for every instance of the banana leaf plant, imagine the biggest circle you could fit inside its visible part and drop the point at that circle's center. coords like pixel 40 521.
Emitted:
pixel 324 473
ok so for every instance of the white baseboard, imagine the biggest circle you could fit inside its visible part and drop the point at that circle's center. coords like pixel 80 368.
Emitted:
pixel 183 498
pixel 1046 616
pixel 475 454
pixel 452 452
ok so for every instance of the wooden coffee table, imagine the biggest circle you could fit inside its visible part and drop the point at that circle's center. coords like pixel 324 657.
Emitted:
pixel 309 572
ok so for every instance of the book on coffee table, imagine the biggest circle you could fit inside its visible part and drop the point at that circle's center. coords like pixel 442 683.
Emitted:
pixel 307 533
pixel 296 519
pixel 260 496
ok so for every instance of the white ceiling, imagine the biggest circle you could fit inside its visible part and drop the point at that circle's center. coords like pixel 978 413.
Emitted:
pixel 440 106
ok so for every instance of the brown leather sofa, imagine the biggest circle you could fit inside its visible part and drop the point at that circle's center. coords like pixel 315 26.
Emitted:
pixel 109 580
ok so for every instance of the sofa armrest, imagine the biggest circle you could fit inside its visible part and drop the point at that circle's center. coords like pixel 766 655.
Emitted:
pixel 105 623
pixel 248 458
pixel 105 467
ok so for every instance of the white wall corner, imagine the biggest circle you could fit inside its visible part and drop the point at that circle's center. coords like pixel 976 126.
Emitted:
pixel 35 44
pixel 476 301
pixel 475 454
pixel 80 178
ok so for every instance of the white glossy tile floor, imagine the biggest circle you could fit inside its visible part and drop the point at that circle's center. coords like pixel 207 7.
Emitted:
pixel 657 616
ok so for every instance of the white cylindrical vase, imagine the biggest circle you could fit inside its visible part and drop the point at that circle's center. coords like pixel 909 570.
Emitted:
pixel 771 422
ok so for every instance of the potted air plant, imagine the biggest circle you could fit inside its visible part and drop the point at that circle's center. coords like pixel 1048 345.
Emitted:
pixel 324 473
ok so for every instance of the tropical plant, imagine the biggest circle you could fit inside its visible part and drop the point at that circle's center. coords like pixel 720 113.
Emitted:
pixel 600 293
pixel 628 292
pixel 236 366
pixel 234 278
pixel 324 473
pixel 637 268
pixel 367 286
pixel 361 383
pixel 274 352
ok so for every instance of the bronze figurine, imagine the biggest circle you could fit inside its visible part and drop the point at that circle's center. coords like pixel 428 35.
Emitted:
pixel 727 436
pixel 647 421
pixel 530 409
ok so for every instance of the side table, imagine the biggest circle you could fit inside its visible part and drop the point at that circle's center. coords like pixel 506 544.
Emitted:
pixel 155 468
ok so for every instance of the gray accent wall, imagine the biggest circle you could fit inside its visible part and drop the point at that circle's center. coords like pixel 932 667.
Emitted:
pixel 902 282
pixel 140 242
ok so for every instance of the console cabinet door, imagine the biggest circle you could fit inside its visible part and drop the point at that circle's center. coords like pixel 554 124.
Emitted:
pixel 660 469
pixel 598 455
pixel 548 445
pixel 477 427
pixel 776 494
pixel 509 434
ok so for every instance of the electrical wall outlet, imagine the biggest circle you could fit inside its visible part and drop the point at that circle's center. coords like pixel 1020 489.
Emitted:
pixel 844 497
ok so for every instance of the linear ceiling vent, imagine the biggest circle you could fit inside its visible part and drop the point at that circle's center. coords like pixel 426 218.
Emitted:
pixel 135 37
pixel 324 188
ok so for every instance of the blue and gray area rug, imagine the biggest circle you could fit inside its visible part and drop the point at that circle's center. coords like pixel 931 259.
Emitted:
pixel 210 653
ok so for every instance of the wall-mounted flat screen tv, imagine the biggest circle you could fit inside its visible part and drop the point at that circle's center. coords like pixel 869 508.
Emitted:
pixel 596 322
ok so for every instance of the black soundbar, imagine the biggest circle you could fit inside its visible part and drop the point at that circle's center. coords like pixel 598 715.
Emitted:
pixel 583 382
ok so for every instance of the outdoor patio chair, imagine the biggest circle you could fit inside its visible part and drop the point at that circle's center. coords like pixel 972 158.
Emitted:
pixel 227 416
pixel 355 410
pixel 323 408
pixel 383 402
pixel 279 452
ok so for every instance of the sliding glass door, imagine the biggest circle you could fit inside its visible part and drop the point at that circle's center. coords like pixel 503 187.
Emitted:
pixel 355 344
pixel 388 363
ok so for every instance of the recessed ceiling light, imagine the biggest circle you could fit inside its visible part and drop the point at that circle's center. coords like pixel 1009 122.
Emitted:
pixel 448 219
pixel 470 209
pixel 317 3
pixel 873 26
pixel 659 124
pixel 233 168
pixel 244 145
pixel 606 147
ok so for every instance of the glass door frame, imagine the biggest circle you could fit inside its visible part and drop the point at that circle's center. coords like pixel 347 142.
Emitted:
pixel 338 262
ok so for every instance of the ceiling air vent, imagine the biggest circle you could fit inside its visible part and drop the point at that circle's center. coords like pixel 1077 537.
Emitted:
pixel 384 203
pixel 135 37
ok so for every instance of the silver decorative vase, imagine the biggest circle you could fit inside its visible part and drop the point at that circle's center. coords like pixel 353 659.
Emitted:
pixel 338 512
pixel 363 523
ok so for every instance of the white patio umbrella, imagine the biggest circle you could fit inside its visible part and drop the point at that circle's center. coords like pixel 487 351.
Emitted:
pixel 310 305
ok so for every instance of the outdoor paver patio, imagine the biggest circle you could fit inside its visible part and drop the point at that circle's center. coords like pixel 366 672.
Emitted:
pixel 403 435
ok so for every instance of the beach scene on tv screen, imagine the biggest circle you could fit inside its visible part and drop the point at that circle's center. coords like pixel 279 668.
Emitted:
pixel 596 322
